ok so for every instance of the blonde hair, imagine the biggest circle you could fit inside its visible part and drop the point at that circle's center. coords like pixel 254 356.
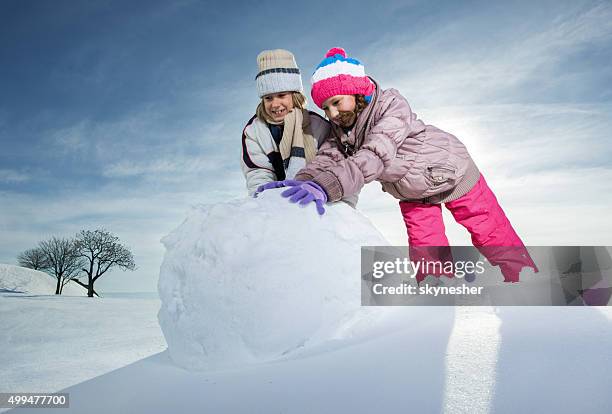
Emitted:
pixel 299 102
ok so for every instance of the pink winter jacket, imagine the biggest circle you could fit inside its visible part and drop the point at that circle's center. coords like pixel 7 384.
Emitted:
pixel 413 161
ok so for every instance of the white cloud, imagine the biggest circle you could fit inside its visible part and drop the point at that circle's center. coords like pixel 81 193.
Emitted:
pixel 434 69
pixel 72 139
pixel 519 138
pixel 142 145
pixel 12 176
pixel 171 165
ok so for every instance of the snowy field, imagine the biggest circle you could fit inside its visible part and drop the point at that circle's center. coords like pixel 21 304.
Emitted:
pixel 15 279
pixel 50 343
pixel 246 325
pixel 109 355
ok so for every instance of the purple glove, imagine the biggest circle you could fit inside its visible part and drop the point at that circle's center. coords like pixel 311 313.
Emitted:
pixel 276 184
pixel 305 192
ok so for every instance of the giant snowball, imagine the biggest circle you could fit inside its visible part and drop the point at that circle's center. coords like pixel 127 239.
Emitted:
pixel 252 280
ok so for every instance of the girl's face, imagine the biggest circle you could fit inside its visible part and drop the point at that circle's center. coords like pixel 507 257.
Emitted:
pixel 278 105
pixel 340 109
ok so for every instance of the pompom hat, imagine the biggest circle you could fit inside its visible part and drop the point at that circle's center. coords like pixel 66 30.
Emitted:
pixel 278 72
pixel 339 75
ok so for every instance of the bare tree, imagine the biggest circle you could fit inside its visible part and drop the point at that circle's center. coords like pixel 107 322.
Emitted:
pixel 63 260
pixel 33 259
pixel 100 251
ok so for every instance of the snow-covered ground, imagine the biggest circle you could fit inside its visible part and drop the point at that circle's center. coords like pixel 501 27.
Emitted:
pixel 53 342
pixel 16 279
pixel 108 355
pixel 236 291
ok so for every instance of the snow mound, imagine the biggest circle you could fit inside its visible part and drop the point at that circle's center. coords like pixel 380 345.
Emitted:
pixel 16 279
pixel 252 280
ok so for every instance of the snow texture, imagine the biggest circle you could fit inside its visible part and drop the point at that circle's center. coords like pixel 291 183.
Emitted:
pixel 109 355
pixel 253 280
pixel 52 342
pixel 15 279
pixel 420 360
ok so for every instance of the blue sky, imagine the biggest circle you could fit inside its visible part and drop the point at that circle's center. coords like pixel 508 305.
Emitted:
pixel 124 114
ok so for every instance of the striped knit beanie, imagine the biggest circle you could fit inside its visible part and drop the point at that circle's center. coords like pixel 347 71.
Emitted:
pixel 339 75
pixel 278 72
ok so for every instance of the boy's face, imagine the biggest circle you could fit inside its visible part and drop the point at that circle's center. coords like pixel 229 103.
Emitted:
pixel 340 109
pixel 278 105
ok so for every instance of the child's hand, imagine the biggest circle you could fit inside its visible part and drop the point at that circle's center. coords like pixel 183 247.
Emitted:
pixel 305 192
pixel 276 184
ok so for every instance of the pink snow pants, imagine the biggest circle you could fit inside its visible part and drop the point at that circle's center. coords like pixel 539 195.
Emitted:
pixel 480 213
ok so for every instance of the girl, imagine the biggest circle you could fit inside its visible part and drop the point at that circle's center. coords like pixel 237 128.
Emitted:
pixel 282 136
pixel 376 136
